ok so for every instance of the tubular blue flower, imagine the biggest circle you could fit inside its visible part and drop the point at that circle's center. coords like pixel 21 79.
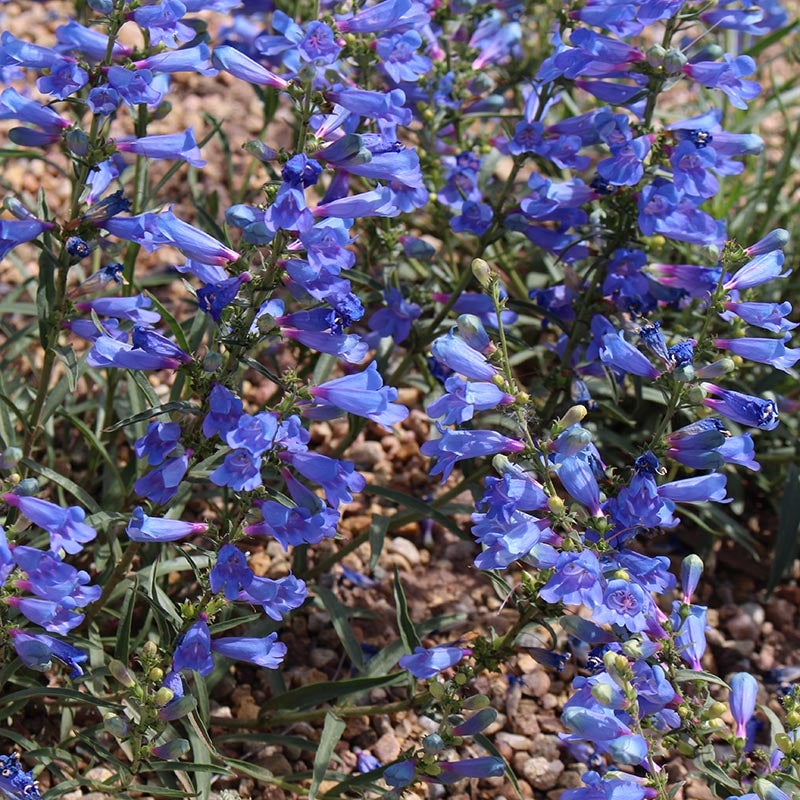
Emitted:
pixel 476 723
pixel 464 398
pixel 233 61
pixel 742 408
pixel 401 773
pixel 761 269
pixel 163 23
pixel 214 298
pixel 774 240
pixel 15 782
pixel 619 354
pixel 744 690
pixel 225 408
pixel 253 433
pixel 577 475
pixel 770 316
pixel 161 484
pixel 134 308
pixel 154 343
pixel 193 242
pixel 362 394
pixel 424 662
pixel 194 649
pixel 624 603
pixel 383 17
pixel 379 202
pixel 187 59
pixel 47 576
pixel 452 351
pixel 265 652
pixel 576 580
pixel 690 633
pixel 337 478
pixel 13 105
pixel 66 527
pixel 276 598
pixel 241 471
pixel 295 525
pixel 88 42
pixel 727 76
pixel 699 489
pixel 14 232
pixel 396 319
pixel 366 762
pixel 158 442
pixel 54 616
pixel 696 281
pixel 482 767
pixel 763 351
pixel 691 571
pixel 109 352
pixel 135 87
pixel 181 146
pixel 231 573
pixel 454 446
pixel 37 650
pixel 143 528
pixel 609 787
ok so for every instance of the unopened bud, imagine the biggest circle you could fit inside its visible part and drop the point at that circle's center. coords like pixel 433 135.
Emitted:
pixel 10 457
pixel 27 487
pixel 696 395
pixel 717 710
pixel 156 675
pixel 163 696
pixel 774 240
pixel 555 504
pixel 483 272
pixel 573 416
pixel 116 726
pixel 177 709
pixel 716 369
pixel 459 679
pixel 149 648
pixel 77 141
pixel 674 61
pixel 121 673
pixel 684 374
pixel 604 694
pixel 162 111
pixel 433 744
pixel 472 332
pixel 212 361
pixel 171 750
pixel 18 209
pixel 475 702
pixel 436 690
pixel 655 55
pixel 261 151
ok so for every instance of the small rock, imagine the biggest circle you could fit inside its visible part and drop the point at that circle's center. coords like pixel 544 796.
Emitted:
pixel 99 774
pixel 514 741
pixel 525 721
pixel 365 454
pixel 541 773
pixel 405 548
pixel 387 748
pixel 322 657
pixel 546 746
pixel 537 684
pixel 277 764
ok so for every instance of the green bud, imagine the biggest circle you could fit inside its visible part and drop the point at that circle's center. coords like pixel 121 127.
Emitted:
pixel 121 673
pixel 212 361
pixel 10 457
pixel 433 744
pixel 117 726
pixel 475 702
pixel 684 373
pixel 436 690
pixel 77 142
pixel 696 395
pixel 459 679
pixel 603 693
pixel 655 55
pixel 260 150
pixel 483 272
pixel 171 750
pixel 574 415
pixel 156 675
pixel 674 61
pixel 162 697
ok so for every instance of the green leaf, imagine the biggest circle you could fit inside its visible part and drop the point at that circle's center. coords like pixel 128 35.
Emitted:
pixel 314 694
pixel 788 525
pixel 690 675
pixel 122 647
pixel 377 535
pixel 339 613
pixel 332 731
pixel 408 633
pixel 66 355
pixel 420 509
pixel 165 408
pixel 160 791
pixel 65 483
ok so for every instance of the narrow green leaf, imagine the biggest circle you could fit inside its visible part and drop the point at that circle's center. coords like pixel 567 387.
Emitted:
pixel 172 323
pixel 332 731
pixel 66 355
pixel 420 509
pixel 165 408
pixel 377 536
pixel 122 647
pixel 338 613
pixel 408 633
pixel 65 483
pixel 689 675
pixel 314 694
pixel 788 526
pixel 160 791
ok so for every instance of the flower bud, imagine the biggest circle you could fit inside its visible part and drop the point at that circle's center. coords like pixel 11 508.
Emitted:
pixel 260 150
pixel 473 333
pixel 691 570
pixel 674 61
pixel 77 141
pixel 149 648
pixel 9 457
pixel 117 726
pixel 483 272
pixel 156 675
pixel 655 55
pixel 774 240
pixel 18 208
pixel 121 673
pixel 684 374
pixel 176 709
pixel 163 696
pixel 212 361
pixel 696 395
pixel 27 487
pixel 574 415
pixel 477 722
pixel 433 744
pixel 171 750
pixel 555 504
pixel 716 369
pixel 769 791
pixel 436 690
pixel 604 694
pixel 475 702
pixel 162 110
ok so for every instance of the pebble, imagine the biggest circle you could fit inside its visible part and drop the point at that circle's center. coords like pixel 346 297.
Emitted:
pixel 542 773
pixel 513 741
pixel 365 454
pixel 276 763
pixel 547 746
pixel 322 657
pixel 405 548
pixel 387 748
pixel 525 721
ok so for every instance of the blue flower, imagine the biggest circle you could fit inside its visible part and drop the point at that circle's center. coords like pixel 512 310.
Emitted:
pixel 744 690
pixel 742 408
pixel 143 528
pixel 454 446
pixel 37 650
pixel 66 527
pixel 426 662
pixel 264 651
pixel 15 782
pixel 194 649
pixel 231 573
